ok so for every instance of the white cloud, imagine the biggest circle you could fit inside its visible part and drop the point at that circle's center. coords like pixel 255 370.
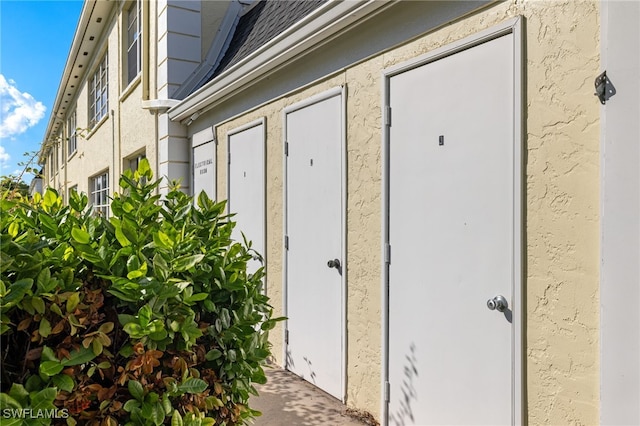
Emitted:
pixel 4 156
pixel 19 110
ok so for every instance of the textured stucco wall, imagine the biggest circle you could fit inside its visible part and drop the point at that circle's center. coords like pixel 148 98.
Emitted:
pixel 561 201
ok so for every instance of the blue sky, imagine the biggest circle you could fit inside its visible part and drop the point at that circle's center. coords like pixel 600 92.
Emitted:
pixel 35 38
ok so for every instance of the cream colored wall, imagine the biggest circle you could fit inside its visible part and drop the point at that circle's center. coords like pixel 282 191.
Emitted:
pixel 562 200
pixel 130 130
pixel 561 204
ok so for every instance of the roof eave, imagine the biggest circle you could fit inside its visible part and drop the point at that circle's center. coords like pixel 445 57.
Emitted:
pixel 86 26
pixel 312 30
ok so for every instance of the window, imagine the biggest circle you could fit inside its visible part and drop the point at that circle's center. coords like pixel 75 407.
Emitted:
pixel 99 187
pixel 133 41
pixel 98 93
pixel 134 163
pixel 71 190
pixel 72 132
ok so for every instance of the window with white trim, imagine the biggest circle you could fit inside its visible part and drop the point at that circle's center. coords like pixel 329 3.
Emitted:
pixel 134 163
pixel 72 134
pixel 134 26
pixel 99 187
pixel 98 93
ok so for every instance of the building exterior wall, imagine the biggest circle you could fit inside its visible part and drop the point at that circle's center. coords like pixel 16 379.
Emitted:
pixel 561 194
pixel 136 123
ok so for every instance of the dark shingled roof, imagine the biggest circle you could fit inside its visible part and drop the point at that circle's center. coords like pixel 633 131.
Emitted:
pixel 264 21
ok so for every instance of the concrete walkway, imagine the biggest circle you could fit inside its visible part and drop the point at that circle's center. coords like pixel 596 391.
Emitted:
pixel 287 400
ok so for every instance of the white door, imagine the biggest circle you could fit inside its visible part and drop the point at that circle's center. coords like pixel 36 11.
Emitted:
pixel 314 236
pixel 246 186
pixel 451 235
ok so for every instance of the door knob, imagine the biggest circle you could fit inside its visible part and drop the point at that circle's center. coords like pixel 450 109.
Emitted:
pixel 498 303
pixel 335 263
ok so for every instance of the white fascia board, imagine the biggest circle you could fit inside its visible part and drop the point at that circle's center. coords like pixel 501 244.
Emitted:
pixel 86 24
pixel 311 31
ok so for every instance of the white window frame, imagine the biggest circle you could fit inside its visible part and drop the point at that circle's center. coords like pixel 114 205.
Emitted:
pixel 72 131
pixel 134 45
pixel 99 92
pixel 99 190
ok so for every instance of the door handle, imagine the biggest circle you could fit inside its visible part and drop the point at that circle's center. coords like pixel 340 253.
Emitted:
pixel 335 263
pixel 498 303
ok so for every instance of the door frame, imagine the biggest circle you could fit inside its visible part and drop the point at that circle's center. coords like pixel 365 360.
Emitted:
pixel 512 26
pixel 336 91
pixel 263 201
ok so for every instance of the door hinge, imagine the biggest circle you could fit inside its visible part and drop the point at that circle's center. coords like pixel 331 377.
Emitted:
pixel 387 391
pixel 604 88
pixel 387 116
pixel 286 242
pixel 228 158
pixel 387 253
pixel 286 148
pixel 286 337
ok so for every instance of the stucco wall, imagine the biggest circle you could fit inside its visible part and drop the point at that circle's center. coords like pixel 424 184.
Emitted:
pixel 562 200
pixel 561 195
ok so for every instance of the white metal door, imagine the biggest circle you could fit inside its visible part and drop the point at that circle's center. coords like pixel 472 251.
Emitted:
pixel 246 185
pixel 451 236
pixel 314 237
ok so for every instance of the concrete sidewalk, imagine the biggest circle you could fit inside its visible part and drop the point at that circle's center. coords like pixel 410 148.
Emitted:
pixel 287 400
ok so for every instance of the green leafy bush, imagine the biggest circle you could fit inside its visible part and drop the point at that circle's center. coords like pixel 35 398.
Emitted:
pixel 148 317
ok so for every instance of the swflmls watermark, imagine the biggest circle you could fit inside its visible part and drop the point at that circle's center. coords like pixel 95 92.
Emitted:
pixel 30 413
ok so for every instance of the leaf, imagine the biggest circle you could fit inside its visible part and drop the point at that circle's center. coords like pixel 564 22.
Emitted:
pixel 48 355
pixel 144 315
pixel 213 354
pixel 73 301
pixel 176 419
pixel 19 393
pixel 80 235
pixel 7 402
pixel 38 305
pixel 162 240
pixel 64 382
pixel 43 400
pixel 43 280
pixel 96 347
pixel 77 357
pixel 184 263
pixel 14 229
pixel 157 414
pixel 136 390
pixel 45 327
pixel 196 297
pixel 192 385
pixel 130 405
pixel 16 292
pixel 106 328
pixel 50 368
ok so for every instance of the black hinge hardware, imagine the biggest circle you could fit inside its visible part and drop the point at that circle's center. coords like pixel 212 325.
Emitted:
pixel 286 242
pixel 286 148
pixel 228 158
pixel 286 336
pixel 604 88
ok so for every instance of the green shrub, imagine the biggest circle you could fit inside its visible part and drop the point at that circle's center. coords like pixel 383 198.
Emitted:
pixel 148 317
